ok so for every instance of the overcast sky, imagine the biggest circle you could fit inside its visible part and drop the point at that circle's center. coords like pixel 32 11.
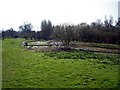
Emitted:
pixel 14 13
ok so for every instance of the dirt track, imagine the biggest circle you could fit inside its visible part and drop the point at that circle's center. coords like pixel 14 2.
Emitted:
pixel 97 49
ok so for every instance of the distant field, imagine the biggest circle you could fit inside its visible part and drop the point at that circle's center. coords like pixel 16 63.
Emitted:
pixel 73 69
pixel 100 45
pixel 97 47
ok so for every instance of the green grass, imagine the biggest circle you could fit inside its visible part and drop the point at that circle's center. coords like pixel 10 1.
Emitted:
pixel 29 69
pixel 0 63
pixel 84 55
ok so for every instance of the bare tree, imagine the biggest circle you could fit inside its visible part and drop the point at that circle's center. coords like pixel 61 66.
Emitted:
pixel 63 34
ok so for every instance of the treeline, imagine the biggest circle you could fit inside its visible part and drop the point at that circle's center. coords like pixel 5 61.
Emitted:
pixel 98 32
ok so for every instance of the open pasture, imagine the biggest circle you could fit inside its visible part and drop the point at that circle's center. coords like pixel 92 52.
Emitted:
pixel 23 68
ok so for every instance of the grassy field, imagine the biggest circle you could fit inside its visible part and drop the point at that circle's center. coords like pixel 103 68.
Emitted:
pixel 75 69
